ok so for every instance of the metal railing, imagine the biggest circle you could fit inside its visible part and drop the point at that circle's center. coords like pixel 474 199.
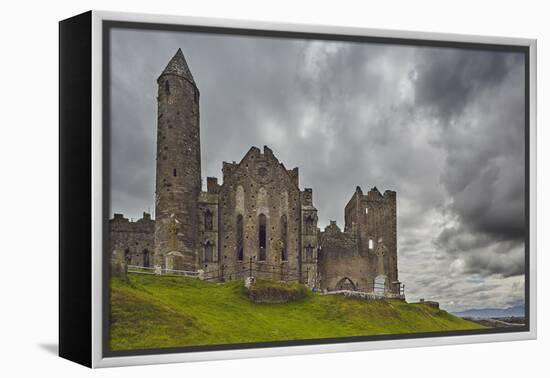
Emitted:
pixel 161 271
pixel 262 269
pixel 395 289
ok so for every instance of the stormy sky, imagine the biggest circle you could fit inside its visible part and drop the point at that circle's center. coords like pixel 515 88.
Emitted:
pixel 443 127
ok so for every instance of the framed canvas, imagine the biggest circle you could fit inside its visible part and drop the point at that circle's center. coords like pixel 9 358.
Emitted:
pixel 232 189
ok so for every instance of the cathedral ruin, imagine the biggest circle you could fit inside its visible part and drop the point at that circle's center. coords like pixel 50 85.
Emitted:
pixel 257 221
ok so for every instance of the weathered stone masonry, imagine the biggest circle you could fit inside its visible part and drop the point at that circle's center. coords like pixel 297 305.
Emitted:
pixel 257 218
pixel 135 241
pixel 178 179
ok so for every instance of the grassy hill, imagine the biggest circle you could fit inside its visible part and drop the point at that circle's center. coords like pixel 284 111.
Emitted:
pixel 162 311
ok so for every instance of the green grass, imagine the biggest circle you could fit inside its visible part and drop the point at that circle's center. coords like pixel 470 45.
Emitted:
pixel 160 312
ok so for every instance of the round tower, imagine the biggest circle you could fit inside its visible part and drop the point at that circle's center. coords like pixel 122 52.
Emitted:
pixel 178 172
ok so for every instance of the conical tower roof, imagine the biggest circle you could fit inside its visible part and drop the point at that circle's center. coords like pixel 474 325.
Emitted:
pixel 178 66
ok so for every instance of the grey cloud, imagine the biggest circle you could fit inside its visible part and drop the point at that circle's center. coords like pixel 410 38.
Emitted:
pixel 448 78
pixel 481 253
pixel 479 97
pixel 482 134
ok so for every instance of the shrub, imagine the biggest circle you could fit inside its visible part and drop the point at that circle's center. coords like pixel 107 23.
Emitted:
pixel 263 291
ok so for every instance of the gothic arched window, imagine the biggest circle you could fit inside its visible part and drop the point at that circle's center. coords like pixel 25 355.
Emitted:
pixel 262 229
pixel 309 224
pixel 208 220
pixel 239 241
pixel 309 253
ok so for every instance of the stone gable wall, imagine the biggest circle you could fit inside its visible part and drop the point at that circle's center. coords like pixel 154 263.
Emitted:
pixel 259 184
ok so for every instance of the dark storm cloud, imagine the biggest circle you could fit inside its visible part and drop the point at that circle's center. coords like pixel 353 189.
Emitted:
pixel 482 132
pixel 448 78
pixel 442 127
pixel 485 152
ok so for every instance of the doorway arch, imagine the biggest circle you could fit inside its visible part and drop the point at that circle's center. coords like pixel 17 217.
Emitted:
pixel 346 284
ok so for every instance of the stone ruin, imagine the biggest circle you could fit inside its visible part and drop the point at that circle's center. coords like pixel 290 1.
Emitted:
pixel 257 221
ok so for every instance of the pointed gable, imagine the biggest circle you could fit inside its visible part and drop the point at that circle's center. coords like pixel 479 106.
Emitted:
pixel 262 167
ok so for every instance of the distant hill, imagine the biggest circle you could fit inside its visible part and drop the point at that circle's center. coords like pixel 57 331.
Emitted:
pixel 164 311
pixel 514 311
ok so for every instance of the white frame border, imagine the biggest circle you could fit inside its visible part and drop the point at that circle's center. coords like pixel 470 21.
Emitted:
pixel 97 207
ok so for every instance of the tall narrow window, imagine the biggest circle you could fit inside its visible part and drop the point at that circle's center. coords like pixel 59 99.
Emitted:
pixel 371 244
pixel 239 241
pixel 309 253
pixel 174 172
pixel 284 238
pixel 309 225
pixel 208 225
pixel 208 251
pixel 167 87
pixel 262 236
pixel 146 258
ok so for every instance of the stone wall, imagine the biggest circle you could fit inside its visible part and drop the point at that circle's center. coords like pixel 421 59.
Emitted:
pixel 133 240
pixel 178 170
pixel 364 256
pixel 208 250
pixel 309 239
pixel 340 264
pixel 258 219
pixel 371 218
pixel 260 216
